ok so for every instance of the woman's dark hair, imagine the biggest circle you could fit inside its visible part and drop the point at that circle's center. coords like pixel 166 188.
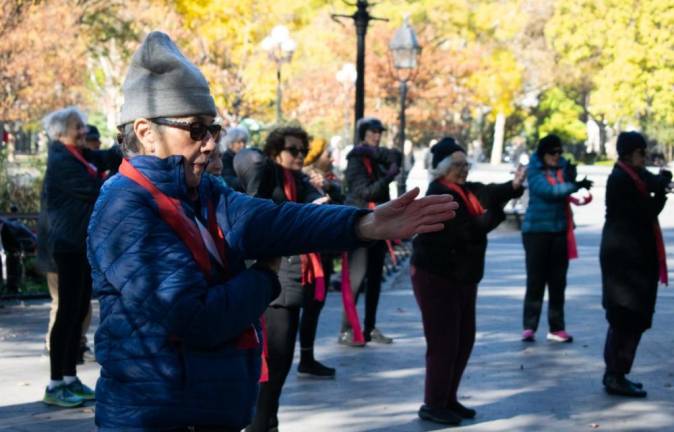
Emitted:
pixel 547 144
pixel 276 140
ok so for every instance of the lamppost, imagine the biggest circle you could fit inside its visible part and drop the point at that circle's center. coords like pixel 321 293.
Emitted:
pixel 361 18
pixel 280 47
pixel 405 50
pixel 346 76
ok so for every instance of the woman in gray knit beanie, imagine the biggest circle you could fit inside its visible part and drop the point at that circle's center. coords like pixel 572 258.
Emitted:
pixel 180 340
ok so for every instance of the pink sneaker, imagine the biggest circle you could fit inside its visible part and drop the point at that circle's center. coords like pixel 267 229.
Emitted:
pixel 560 336
pixel 528 335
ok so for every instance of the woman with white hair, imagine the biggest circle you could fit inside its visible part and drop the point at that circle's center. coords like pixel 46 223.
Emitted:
pixel 71 184
pixel 233 142
pixel 446 268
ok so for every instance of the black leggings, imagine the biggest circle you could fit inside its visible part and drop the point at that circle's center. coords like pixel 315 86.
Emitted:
pixel 282 327
pixel 547 263
pixel 311 311
pixel 74 291
pixel 282 324
pixel 367 264
pixel 620 349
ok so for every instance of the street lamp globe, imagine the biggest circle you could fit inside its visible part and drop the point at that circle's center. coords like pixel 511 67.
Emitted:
pixel 404 47
pixel 347 74
pixel 280 48
pixel 279 45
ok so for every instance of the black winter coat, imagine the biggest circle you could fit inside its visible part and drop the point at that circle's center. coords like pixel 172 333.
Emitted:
pixel 228 173
pixel 458 251
pixel 361 187
pixel 265 180
pixel 70 194
pixel 628 255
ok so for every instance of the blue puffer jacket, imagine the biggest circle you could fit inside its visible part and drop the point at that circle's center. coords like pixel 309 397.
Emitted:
pixel 166 338
pixel 545 212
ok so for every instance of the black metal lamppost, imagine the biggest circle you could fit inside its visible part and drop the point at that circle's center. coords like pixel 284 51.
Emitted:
pixel 361 19
pixel 405 50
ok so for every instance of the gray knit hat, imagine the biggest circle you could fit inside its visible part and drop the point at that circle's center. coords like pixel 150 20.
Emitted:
pixel 161 82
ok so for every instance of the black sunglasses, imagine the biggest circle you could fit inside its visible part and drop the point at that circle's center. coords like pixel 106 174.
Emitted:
pixel 197 129
pixel 294 151
pixel 555 152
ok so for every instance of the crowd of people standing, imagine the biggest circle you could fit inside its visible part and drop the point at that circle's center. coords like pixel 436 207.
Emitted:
pixel 209 258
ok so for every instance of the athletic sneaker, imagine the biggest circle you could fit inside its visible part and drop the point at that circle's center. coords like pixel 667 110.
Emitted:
pixel 560 336
pixel 80 390
pixel 377 336
pixel 528 335
pixel 61 396
pixel 346 338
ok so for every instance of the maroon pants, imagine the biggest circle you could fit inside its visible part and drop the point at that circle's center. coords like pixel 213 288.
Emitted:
pixel 448 314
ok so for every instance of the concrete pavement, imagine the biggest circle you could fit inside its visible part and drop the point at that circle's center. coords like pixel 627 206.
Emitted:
pixel 514 386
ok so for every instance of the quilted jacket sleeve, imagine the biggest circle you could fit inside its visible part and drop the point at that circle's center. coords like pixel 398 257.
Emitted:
pixel 138 261
pixel 539 185
pixel 260 228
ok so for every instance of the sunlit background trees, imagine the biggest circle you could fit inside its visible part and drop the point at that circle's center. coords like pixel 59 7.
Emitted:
pixel 490 71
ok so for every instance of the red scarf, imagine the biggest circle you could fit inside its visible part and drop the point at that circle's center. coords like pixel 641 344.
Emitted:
pixel 171 212
pixel 657 231
pixel 349 303
pixel 77 154
pixel 312 268
pixel 571 245
pixel 470 200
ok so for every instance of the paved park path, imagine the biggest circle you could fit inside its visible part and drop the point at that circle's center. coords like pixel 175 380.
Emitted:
pixel 514 386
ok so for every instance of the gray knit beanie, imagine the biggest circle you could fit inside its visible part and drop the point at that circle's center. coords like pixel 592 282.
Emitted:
pixel 161 82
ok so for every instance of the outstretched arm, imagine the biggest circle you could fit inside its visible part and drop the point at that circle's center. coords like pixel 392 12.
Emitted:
pixel 260 228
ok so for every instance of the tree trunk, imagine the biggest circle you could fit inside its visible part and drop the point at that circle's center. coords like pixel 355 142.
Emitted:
pixel 499 133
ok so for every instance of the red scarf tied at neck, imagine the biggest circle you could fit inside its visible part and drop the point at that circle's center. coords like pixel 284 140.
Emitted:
pixel 197 240
pixel 472 203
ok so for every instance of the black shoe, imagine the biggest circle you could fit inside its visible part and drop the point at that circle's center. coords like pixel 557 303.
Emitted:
pixel 634 383
pixel 618 385
pixel 462 411
pixel 315 370
pixel 439 415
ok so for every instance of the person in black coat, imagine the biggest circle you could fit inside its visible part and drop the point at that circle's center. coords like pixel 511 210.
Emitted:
pixel 632 259
pixel 446 268
pixel 72 181
pixel 232 142
pixel 369 171
pixel 278 175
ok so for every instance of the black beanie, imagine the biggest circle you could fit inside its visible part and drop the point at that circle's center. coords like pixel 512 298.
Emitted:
pixel 628 142
pixel 547 144
pixel 92 133
pixel 444 148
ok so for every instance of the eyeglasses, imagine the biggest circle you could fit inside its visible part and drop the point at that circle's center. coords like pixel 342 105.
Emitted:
pixel 555 152
pixel 197 129
pixel 294 151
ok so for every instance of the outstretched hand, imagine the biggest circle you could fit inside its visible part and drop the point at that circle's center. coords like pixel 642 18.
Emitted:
pixel 405 216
